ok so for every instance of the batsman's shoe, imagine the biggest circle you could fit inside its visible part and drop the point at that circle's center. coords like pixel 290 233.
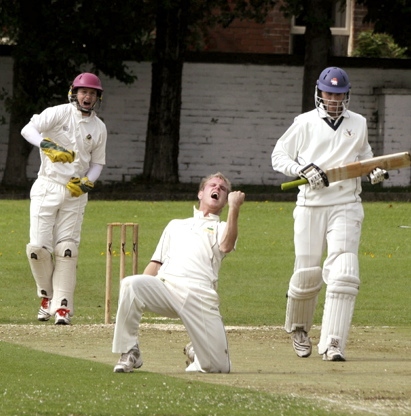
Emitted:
pixel 189 352
pixel 62 317
pixel 302 343
pixel 129 360
pixel 44 311
pixel 333 352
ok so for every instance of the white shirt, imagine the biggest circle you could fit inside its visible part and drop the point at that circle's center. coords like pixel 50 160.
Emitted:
pixel 66 126
pixel 189 248
pixel 312 139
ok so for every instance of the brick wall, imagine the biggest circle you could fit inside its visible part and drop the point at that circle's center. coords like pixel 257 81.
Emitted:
pixel 232 115
pixel 272 37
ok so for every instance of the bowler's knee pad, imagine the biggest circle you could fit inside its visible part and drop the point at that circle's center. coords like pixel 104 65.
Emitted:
pixel 305 284
pixel 344 275
pixel 66 249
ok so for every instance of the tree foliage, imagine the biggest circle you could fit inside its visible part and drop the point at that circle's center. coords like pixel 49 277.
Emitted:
pixel 378 45
pixel 53 41
pixel 392 17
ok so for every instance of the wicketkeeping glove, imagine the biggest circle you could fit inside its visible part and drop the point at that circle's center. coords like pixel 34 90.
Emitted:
pixel 378 175
pixel 316 177
pixel 55 152
pixel 78 186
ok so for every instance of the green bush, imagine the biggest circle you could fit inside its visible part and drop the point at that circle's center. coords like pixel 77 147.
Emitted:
pixel 378 45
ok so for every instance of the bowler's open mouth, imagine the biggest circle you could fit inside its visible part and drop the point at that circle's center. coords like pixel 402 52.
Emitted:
pixel 214 195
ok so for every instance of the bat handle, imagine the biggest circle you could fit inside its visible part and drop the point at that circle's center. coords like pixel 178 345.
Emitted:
pixel 293 184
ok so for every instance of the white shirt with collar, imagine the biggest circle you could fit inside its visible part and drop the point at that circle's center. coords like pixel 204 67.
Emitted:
pixel 189 248
pixel 66 126
pixel 313 138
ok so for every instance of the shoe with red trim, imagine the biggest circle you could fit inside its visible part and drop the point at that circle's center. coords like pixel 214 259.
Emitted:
pixel 44 311
pixel 62 317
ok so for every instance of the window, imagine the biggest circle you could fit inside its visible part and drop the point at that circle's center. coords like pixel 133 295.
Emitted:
pixel 340 14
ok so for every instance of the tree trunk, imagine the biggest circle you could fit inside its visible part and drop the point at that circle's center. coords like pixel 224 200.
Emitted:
pixel 26 98
pixel 317 48
pixel 163 131
pixel 18 150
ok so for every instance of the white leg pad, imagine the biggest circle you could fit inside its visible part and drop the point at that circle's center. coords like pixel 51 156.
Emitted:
pixel 64 276
pixel 342 290
pixel 42 266
pixel 305 284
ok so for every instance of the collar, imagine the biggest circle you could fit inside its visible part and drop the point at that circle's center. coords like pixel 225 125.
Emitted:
pixel 200 214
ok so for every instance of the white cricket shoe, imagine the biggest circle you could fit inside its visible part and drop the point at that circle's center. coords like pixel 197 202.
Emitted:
pixel 62 317
pixel 129 360
pixel 301 343
pixel 189 352
pixel 44 311
pixel 333 352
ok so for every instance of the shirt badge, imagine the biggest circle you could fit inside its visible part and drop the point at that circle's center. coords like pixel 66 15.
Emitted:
pixel 349 134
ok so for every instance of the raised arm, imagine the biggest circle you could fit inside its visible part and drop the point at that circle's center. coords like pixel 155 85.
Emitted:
pixel 235 200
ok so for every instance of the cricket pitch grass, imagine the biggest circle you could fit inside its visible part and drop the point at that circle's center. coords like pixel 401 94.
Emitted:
pixel 375 379
pixel 49 370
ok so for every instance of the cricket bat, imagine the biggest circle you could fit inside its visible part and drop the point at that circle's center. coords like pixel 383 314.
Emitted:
pixel 360 168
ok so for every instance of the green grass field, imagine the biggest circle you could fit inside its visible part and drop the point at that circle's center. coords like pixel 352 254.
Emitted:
pixel 253 283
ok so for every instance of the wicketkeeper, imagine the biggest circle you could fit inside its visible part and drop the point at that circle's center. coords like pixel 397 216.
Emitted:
pixel 328 216
pixel 72 143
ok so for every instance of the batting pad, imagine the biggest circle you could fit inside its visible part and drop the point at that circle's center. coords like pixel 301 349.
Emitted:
pixel 342 290
pixel 41 265
pixel 64 276
pixel 305 284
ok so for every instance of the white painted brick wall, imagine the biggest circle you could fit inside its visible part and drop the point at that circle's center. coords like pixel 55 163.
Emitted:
pixel 232 115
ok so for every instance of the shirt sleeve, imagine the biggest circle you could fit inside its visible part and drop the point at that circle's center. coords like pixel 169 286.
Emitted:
pixel 285 153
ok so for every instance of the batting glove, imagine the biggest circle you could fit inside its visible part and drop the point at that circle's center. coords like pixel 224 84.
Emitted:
pixel 378 175
pixel 55 152
pixel 316 177
pixel 78 186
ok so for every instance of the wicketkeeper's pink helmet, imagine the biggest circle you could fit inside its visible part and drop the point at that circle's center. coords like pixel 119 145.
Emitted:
pixel 85 80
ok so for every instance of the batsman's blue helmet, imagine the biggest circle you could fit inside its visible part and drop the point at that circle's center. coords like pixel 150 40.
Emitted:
pixel 334 80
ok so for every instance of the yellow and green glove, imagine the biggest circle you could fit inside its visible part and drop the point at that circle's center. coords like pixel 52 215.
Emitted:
pixel 78 186
pixel 55 152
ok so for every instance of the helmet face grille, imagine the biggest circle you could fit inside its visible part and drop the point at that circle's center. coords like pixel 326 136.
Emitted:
pixel 332 108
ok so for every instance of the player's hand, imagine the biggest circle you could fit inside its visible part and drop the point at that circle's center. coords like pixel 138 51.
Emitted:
pixel 78 186
pixel 316 177
pixel 378 175
pixel 55 152
pixel 236 198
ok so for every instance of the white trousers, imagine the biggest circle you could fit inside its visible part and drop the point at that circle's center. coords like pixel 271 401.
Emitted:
pixel 55 221
pixel 197 305
pixel 55 215
pixel 335 228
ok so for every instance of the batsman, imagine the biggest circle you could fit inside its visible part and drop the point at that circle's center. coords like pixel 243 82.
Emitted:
pixel 327 217
pixel 72 145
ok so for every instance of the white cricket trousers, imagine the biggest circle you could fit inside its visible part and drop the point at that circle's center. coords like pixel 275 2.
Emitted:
pixel 197 305
pixel 336 228
pixel 55 215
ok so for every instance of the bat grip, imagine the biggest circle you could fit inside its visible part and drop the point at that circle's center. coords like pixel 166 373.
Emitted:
pixel 293 184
